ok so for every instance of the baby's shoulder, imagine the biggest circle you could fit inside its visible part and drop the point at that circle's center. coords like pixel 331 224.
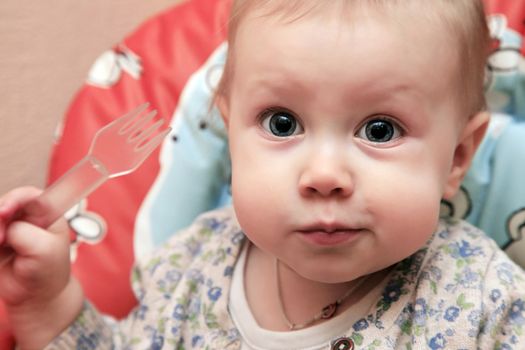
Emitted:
pixel 214 228
pixel 463 250
pixel 469 281
pixel 459 244
pixel 465 266
pixel 213 238
pixel 465 290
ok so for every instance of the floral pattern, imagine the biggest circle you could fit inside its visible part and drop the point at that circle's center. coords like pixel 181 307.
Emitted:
pixel 460 291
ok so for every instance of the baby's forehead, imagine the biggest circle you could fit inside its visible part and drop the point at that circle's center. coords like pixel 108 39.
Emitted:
pixel 414 15
pixel 460 22
pixel 407 17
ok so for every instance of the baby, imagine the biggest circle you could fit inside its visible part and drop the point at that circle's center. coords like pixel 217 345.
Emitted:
pixel 348 121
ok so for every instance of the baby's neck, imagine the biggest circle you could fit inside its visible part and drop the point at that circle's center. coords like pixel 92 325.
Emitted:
pixel 302 298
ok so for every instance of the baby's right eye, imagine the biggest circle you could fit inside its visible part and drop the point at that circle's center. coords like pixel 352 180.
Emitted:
pixel 280 123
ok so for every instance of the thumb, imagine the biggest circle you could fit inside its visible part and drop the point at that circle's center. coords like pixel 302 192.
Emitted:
pixel 12 204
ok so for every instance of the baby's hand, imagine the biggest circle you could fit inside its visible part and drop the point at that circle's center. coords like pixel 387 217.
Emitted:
pixel 40 265
pixel 11 208
pixel 35 281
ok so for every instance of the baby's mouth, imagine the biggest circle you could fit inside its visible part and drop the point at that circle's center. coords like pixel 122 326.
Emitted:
pixel 329 227
pixel 329 234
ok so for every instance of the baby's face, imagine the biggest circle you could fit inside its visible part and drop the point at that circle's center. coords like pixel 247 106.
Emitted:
pixel 342 138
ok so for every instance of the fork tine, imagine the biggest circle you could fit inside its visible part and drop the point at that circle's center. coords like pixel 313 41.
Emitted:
pixel 141 135
pixel 142 151
pixel 129 118
pixel 136 125
pixel 146 147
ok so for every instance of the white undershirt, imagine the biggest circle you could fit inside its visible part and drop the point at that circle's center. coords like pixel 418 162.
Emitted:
pixel 312 338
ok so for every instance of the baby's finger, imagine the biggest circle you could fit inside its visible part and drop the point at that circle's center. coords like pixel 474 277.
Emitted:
pixel 28 240
pixel 11 205
pixel 39 266
pixel 38 252
pixel 19 196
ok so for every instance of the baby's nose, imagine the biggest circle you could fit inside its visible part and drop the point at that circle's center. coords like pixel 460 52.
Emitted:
pixel 326 180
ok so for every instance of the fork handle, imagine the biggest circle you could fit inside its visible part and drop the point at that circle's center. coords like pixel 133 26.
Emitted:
pixel 77 183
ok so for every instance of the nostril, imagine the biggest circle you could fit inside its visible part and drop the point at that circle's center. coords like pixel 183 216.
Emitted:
pixel 337 190
pixel 311 190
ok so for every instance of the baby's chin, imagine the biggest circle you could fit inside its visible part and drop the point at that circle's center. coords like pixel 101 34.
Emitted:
pixel 324 273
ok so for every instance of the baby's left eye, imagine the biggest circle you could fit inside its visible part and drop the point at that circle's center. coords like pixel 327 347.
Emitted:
pixel 379 130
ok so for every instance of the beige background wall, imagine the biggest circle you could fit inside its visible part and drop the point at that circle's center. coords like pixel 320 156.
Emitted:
pixel 46 50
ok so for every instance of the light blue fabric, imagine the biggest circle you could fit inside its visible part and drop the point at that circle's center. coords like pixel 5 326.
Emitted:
pixel 495 186
pixel 195 171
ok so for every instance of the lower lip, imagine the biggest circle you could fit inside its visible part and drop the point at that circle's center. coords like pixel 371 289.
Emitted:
pixel 323 238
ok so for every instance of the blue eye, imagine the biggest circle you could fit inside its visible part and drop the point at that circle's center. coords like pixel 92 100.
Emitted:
pixel 379 131
pixel 281 124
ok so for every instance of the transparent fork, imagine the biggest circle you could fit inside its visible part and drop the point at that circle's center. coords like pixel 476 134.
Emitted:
pixel 116 149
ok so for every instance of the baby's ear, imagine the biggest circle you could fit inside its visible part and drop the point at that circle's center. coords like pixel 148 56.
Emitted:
pixel 222 104
pixel 469 140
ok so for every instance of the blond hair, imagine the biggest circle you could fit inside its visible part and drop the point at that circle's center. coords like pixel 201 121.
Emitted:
pixel 465 20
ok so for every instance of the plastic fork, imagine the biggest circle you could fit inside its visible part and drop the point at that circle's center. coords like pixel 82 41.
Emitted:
pixel 116 149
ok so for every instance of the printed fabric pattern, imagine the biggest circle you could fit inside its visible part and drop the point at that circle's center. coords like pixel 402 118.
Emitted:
pixel 459 292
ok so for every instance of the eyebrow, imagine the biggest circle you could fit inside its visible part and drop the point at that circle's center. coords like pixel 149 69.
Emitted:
pixel 371 91
pixel 277 81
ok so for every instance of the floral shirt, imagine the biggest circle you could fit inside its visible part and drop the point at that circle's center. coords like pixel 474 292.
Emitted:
pixel 460 291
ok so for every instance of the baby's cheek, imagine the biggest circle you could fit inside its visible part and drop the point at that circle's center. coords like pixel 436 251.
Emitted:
pixel 410 209
pixel 251 198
